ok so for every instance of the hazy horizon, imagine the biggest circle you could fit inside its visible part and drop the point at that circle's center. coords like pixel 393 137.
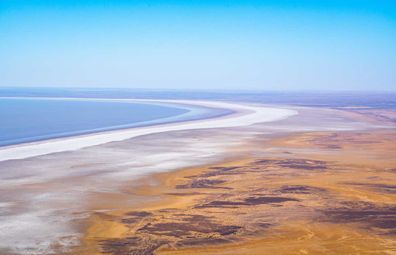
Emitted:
pixel 206 45
pixel 221 90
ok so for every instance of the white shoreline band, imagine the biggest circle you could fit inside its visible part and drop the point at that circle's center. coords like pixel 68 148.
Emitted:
pixel 243 115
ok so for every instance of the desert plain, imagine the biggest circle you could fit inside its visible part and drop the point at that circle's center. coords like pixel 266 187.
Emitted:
pixel 317 190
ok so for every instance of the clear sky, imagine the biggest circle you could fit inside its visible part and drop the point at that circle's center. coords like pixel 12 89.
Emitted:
pixel 258 45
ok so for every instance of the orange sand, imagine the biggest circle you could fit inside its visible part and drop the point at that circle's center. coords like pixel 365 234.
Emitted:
pixel 305 193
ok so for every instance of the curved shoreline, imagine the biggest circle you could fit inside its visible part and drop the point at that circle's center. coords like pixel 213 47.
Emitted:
pixel 191 113
pixel 242 115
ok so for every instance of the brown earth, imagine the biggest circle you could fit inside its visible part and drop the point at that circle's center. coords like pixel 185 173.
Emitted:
pixel 304 193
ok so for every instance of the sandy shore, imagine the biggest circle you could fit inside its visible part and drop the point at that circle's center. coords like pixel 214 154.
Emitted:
pixel 242 115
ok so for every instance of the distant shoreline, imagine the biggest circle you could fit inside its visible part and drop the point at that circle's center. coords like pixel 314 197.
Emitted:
pixel 241 115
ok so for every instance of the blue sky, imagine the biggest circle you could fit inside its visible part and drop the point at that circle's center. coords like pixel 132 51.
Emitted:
pixel 255 45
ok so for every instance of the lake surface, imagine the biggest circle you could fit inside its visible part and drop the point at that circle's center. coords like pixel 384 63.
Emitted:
pixel 33 119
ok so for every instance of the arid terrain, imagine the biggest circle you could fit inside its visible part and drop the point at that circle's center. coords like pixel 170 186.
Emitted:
pixel 300 193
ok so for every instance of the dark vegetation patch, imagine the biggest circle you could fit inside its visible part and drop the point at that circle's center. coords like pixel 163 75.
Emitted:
pixel 133 217
pixel 130 246
pixel 183 193
pixel 264 225
pixel 303 164
pixel 333 146
pixel 383 217
pixel 168 210
pixel 266 200
pixel 225 169
pixel 202 241
pixel 139 214
pixel 182 229
pixel 194 217
pixel 385 188
pixel 222 203
pixel 247 202
pixel 186 225
pixel 202 184
pixel 300 189
pixel 220 170
pixel 356 138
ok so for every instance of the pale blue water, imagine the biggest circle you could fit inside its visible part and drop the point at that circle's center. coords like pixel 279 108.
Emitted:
pixel 27 120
